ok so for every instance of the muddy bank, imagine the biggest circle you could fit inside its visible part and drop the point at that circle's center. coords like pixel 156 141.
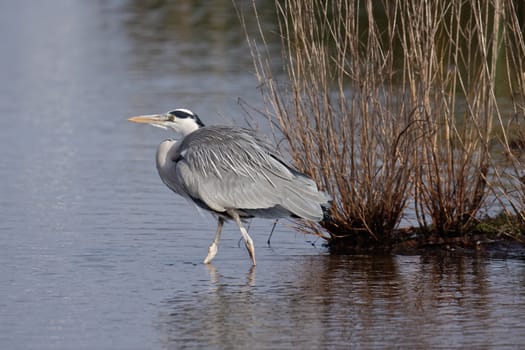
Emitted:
pixel 411 242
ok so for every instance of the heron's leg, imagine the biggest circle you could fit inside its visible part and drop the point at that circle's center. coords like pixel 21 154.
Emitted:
pixel 212 250
pixel 271 233
pixel 247 239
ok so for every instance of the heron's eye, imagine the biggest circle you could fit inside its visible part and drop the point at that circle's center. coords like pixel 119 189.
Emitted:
pixel 181 113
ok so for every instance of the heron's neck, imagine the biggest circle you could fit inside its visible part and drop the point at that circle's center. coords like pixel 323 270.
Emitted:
pixel 164 151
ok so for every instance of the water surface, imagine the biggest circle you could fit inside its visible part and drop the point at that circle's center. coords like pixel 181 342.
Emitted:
pixel 95 252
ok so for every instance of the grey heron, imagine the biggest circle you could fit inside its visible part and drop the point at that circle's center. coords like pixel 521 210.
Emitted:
pixel 231 173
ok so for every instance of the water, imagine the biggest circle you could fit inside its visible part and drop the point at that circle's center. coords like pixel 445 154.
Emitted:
pixel 95 252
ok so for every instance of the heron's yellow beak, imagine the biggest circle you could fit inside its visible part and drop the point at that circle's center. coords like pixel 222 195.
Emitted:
pixel 148 119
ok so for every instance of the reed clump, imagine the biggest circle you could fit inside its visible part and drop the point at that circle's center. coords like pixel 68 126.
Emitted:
pixel 392 107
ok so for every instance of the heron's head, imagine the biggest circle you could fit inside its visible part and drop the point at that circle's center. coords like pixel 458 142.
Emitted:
pixel 182 121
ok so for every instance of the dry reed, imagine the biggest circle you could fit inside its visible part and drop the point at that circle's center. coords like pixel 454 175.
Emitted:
pixel 388 111
pixel 509 180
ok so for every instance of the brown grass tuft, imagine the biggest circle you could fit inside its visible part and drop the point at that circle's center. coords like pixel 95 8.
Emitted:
pixel 389 104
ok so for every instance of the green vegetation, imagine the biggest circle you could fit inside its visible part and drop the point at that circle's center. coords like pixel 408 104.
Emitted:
pixel 399 107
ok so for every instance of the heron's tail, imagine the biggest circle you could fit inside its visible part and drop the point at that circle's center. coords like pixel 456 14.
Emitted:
pixel 305 200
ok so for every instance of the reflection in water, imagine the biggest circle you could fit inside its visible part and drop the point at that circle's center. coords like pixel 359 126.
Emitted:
pixel 326 302
pixel 215 278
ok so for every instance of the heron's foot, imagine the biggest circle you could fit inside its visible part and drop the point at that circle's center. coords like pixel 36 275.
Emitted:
pixel 212 251
pixel 251 249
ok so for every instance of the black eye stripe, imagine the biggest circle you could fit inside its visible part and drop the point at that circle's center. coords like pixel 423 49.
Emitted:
pixel 184 114
pixel 181 114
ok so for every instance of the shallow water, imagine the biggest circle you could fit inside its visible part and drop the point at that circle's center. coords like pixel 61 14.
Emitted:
pixel 95 252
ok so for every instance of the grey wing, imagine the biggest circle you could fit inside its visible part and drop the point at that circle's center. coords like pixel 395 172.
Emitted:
pixel 230 191
pixel 240 174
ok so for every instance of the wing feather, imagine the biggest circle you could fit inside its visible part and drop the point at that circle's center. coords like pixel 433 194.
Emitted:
pixel 229 168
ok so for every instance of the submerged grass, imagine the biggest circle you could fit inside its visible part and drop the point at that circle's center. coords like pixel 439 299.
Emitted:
pixel 399 111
